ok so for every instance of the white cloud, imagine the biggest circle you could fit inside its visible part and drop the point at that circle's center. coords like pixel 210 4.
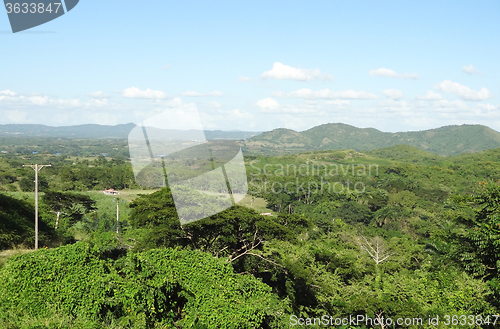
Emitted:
pixel 392 109
pixel 101 118
pixel 391 103
pixel 197 94
pixel 134 92
pixel 214 105
pixel 166 67
pixel 325 94
pixel 463 92
pixel 97 102
pixel 39 100
pixel 97 94
pixel 176 116
pixel 239 114
pixel 310 107
pixel 470 69
pixel 489 107
pixel 243 79
pixel 67 102
pixel 8 93
pixel 430 96
pixel 286 72
pixel 175 102
pixel 268 103
pixel 447 106
pixel 393 93
pixel 232 119
pixel 17 116
pixel 20 101
pixel 383 72
pixel 338 103
pixel 301 109
pixel 420 103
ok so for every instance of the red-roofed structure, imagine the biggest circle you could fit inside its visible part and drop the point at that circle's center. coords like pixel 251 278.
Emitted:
pixel 111 192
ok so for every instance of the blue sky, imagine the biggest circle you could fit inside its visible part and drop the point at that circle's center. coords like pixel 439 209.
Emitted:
pixel 258 65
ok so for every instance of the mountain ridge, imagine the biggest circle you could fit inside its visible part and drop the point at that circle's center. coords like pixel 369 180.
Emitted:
pixel 445 141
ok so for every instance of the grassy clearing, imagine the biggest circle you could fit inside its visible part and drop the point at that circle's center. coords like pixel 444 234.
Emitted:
pixel 79 231
pixel 257 204
pixel 81 158
pixel 28 196
pixel 6 254
pixel 131 195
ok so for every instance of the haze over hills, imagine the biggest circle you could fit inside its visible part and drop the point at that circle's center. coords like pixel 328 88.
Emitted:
pixel 80 131
pixel 448 140
pixel 103 131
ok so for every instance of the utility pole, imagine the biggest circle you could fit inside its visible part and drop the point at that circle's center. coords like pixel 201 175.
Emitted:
pixel 37 169
pixel 117 211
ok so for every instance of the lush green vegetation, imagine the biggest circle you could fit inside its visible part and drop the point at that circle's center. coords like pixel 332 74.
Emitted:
pixel 99 284
pixel 57 149
pixel 99 173
pixel 393 233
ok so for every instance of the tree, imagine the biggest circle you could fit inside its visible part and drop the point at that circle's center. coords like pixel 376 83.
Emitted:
pixel 403 199
pixel 231 233
pixel 376 248
pixel 27 184
pixel 476 245
pixel 72 204
pixel 353 212
pixel 387 214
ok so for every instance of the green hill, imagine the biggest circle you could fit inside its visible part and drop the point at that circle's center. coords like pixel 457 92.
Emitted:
pixel 445 141
pixel 406 153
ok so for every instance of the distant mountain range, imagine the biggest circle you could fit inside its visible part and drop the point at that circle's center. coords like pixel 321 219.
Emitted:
pixel 448 140
pixel 92 131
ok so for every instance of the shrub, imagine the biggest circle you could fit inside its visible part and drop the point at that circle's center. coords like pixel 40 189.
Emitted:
pixel 160 286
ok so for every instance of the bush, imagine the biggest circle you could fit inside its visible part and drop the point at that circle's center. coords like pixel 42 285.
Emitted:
pixel 143 290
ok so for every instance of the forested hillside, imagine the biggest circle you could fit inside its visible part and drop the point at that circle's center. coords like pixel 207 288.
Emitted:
pixel 448 140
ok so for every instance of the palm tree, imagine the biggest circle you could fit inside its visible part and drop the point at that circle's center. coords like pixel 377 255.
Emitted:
pixel 386 215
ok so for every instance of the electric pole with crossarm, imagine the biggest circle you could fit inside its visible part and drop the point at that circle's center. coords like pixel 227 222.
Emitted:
pixel 37 169
pixel 117 211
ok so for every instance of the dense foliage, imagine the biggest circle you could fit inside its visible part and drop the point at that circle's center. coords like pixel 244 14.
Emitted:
pixel 101 284
pixel 98 173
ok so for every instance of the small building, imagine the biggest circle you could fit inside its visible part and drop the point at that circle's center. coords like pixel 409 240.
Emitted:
pixel 266 214
pixel 111 192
